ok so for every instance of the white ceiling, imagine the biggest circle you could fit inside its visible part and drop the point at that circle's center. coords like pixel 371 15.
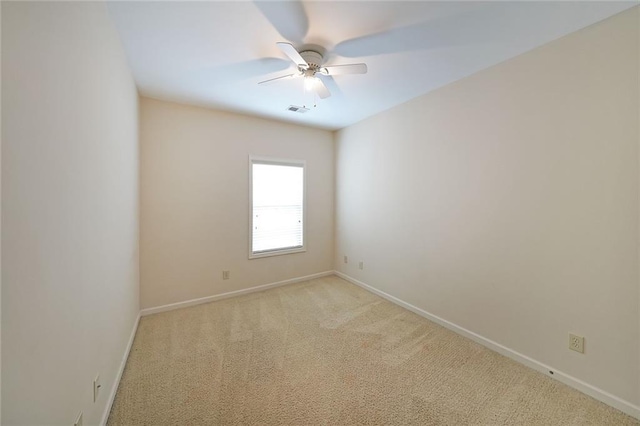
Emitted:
pixel 214 53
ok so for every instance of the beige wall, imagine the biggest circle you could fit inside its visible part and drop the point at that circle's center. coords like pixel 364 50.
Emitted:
pixel 194 198
pixel 69 210
pixel 507 203
pixel 0 221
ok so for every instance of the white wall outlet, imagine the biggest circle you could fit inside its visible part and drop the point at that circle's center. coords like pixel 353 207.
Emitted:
pixel 576 343
pixel 361 265
pixel 346 259
pixel 78 421
pixel 226 275
pixel 96 387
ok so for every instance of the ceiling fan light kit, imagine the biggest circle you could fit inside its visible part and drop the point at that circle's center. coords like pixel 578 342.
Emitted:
pixel 310 66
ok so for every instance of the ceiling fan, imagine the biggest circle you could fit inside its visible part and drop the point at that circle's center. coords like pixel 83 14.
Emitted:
pixel 290 19
pixel 310 66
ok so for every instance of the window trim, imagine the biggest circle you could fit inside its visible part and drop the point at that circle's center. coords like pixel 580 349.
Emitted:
pixel 278 162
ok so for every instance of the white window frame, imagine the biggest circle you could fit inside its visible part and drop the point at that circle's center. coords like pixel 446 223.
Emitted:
pixel 278 162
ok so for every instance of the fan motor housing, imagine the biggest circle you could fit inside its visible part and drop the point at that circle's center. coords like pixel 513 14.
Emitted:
pixel 313 58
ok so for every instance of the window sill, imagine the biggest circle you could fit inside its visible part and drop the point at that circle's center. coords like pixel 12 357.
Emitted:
pixel 277 252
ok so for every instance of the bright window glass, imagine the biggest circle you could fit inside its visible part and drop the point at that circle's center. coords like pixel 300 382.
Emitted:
pixel 277 217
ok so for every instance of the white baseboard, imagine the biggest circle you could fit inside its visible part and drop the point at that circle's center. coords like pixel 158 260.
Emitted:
pixel 116 382
pixel 597 393
pixel 192 302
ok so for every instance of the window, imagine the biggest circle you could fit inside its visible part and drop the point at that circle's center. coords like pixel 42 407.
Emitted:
pixel 276 206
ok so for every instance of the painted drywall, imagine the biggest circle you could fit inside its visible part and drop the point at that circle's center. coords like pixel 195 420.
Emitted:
pixel 69 210
pixel 507 203
pixel 0 215
pixel 638 57
pixel 194 201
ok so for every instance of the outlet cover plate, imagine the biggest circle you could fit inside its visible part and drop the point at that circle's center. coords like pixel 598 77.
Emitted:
pixel 576 343
pixel 78 421
pixel 96 387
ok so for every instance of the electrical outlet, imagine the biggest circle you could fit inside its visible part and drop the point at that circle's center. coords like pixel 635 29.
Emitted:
pixel 346 259
pixel 96 387
pixel 361 265
pixel 576 343
pixel 78 421
pixel 225 275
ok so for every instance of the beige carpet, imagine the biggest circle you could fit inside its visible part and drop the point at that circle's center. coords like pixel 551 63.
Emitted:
pixel 328 352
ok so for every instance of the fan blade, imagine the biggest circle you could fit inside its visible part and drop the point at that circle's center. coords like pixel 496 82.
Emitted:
pixel 321 89
pixel 413 37
pixel 292 53
pixel 331 85
pixel 239 71
pixel 346 69
pixel 271 80
pixel 287 17
pixel 459 29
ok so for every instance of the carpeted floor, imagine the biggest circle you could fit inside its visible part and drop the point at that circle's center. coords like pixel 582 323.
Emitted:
pixel 328 352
